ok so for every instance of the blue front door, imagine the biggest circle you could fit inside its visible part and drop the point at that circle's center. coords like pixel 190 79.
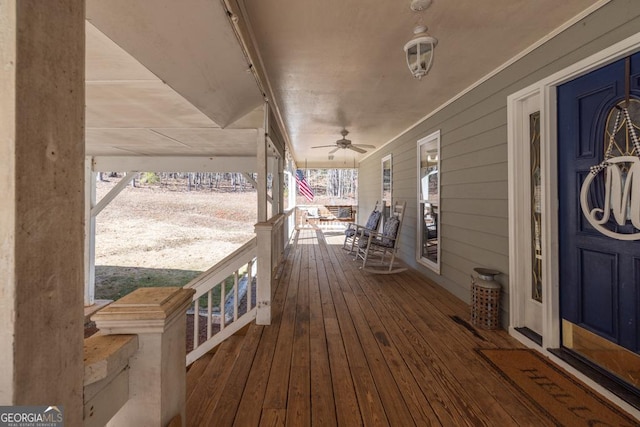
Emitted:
pixel 599 275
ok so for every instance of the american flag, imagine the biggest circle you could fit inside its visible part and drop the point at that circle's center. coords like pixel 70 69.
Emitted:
pixel 303 186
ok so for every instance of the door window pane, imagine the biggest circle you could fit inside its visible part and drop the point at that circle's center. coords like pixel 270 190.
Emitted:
pixel 536 207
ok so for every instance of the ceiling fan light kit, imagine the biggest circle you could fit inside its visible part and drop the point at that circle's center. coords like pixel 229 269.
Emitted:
pixel 419 50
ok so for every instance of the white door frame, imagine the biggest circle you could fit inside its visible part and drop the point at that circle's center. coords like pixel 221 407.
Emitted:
pixel 519 192
pixel 519 160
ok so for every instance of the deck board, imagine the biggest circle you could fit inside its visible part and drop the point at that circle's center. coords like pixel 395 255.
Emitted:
pixel 249 413
pixel 371 407
pixel 299 394
pixel 322 402
pixel 222 411
pixel 404 361
pixel 206 394
pixel 347 348
pixel 277 386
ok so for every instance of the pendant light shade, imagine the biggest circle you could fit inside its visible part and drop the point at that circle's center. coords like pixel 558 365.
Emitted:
pixel 419 52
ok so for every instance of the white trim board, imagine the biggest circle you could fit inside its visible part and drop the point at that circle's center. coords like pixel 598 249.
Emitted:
pixel 174 164
pixel 521 306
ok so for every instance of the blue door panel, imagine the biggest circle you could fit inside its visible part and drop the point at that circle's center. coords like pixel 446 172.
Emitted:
pixel 599 275
pixel 598 271
pixel 588 104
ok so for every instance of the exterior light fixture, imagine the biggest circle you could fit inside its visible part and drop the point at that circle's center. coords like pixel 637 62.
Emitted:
pixel 419 52
pixel 420 5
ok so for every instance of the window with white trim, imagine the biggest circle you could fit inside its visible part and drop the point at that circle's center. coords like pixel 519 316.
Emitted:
pixel 428 247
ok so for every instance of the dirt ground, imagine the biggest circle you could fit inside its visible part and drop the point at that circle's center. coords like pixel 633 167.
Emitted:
pixel 147 230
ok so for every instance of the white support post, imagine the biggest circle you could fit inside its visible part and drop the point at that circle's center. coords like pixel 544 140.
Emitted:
pixel 279 172
pixel 263 289
pixel 261 167
pixel 89 233
pixel 292 189
pixel 276 206
pixel 271 208
pixel 263 229
pixel 277 211
pixel 91 210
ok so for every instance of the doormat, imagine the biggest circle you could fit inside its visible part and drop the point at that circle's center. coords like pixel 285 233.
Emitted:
pixel 561 397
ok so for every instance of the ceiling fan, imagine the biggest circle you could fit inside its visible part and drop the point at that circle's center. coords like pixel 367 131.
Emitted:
pixel 346 144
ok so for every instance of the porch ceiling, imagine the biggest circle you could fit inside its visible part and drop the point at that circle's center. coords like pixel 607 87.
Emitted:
pixel 328 65
pixel 168 100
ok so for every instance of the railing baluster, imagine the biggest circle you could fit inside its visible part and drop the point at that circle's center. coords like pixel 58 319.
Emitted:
pixel 209 310
pixel 196 323
pixel 235 296
pixel 223 285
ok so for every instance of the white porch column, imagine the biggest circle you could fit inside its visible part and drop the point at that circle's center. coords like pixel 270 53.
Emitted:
pixel 292 189
pixel 280 172
pixel 261 168
pixel 263 292
pixel 89 233
pixel 263 236
pixel 157 378
pixel 41 214
pixel 276 183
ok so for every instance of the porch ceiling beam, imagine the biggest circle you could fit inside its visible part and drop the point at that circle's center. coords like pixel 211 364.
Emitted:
pixel 174 164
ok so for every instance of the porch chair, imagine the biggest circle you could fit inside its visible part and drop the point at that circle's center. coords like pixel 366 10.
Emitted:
pixel 381 243
pixel 355 231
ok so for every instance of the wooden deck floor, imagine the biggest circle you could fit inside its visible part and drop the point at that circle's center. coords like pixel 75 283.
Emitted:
pixel 351 348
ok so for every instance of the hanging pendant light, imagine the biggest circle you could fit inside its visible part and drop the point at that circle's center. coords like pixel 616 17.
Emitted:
pixel 420 5
pixel 419 52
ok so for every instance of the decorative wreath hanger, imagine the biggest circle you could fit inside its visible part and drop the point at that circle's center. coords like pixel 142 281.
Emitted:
pixel 620 195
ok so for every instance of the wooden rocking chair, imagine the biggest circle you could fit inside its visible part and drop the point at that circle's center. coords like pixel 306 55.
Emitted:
pixel 381 243
pixel 354 231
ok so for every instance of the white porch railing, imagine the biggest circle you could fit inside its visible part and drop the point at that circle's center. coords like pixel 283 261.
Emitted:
pixel 237 290
pixel 325 216
pixel 230 282
pixel 117 382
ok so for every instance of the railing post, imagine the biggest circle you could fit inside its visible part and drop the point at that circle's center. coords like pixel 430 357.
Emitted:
pixel 157 378
pixel 264 235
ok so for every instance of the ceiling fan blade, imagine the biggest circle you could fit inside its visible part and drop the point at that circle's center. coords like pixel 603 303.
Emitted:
pixel 359 150
pixel 334 150
pixel 324 146
pixel 364 145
